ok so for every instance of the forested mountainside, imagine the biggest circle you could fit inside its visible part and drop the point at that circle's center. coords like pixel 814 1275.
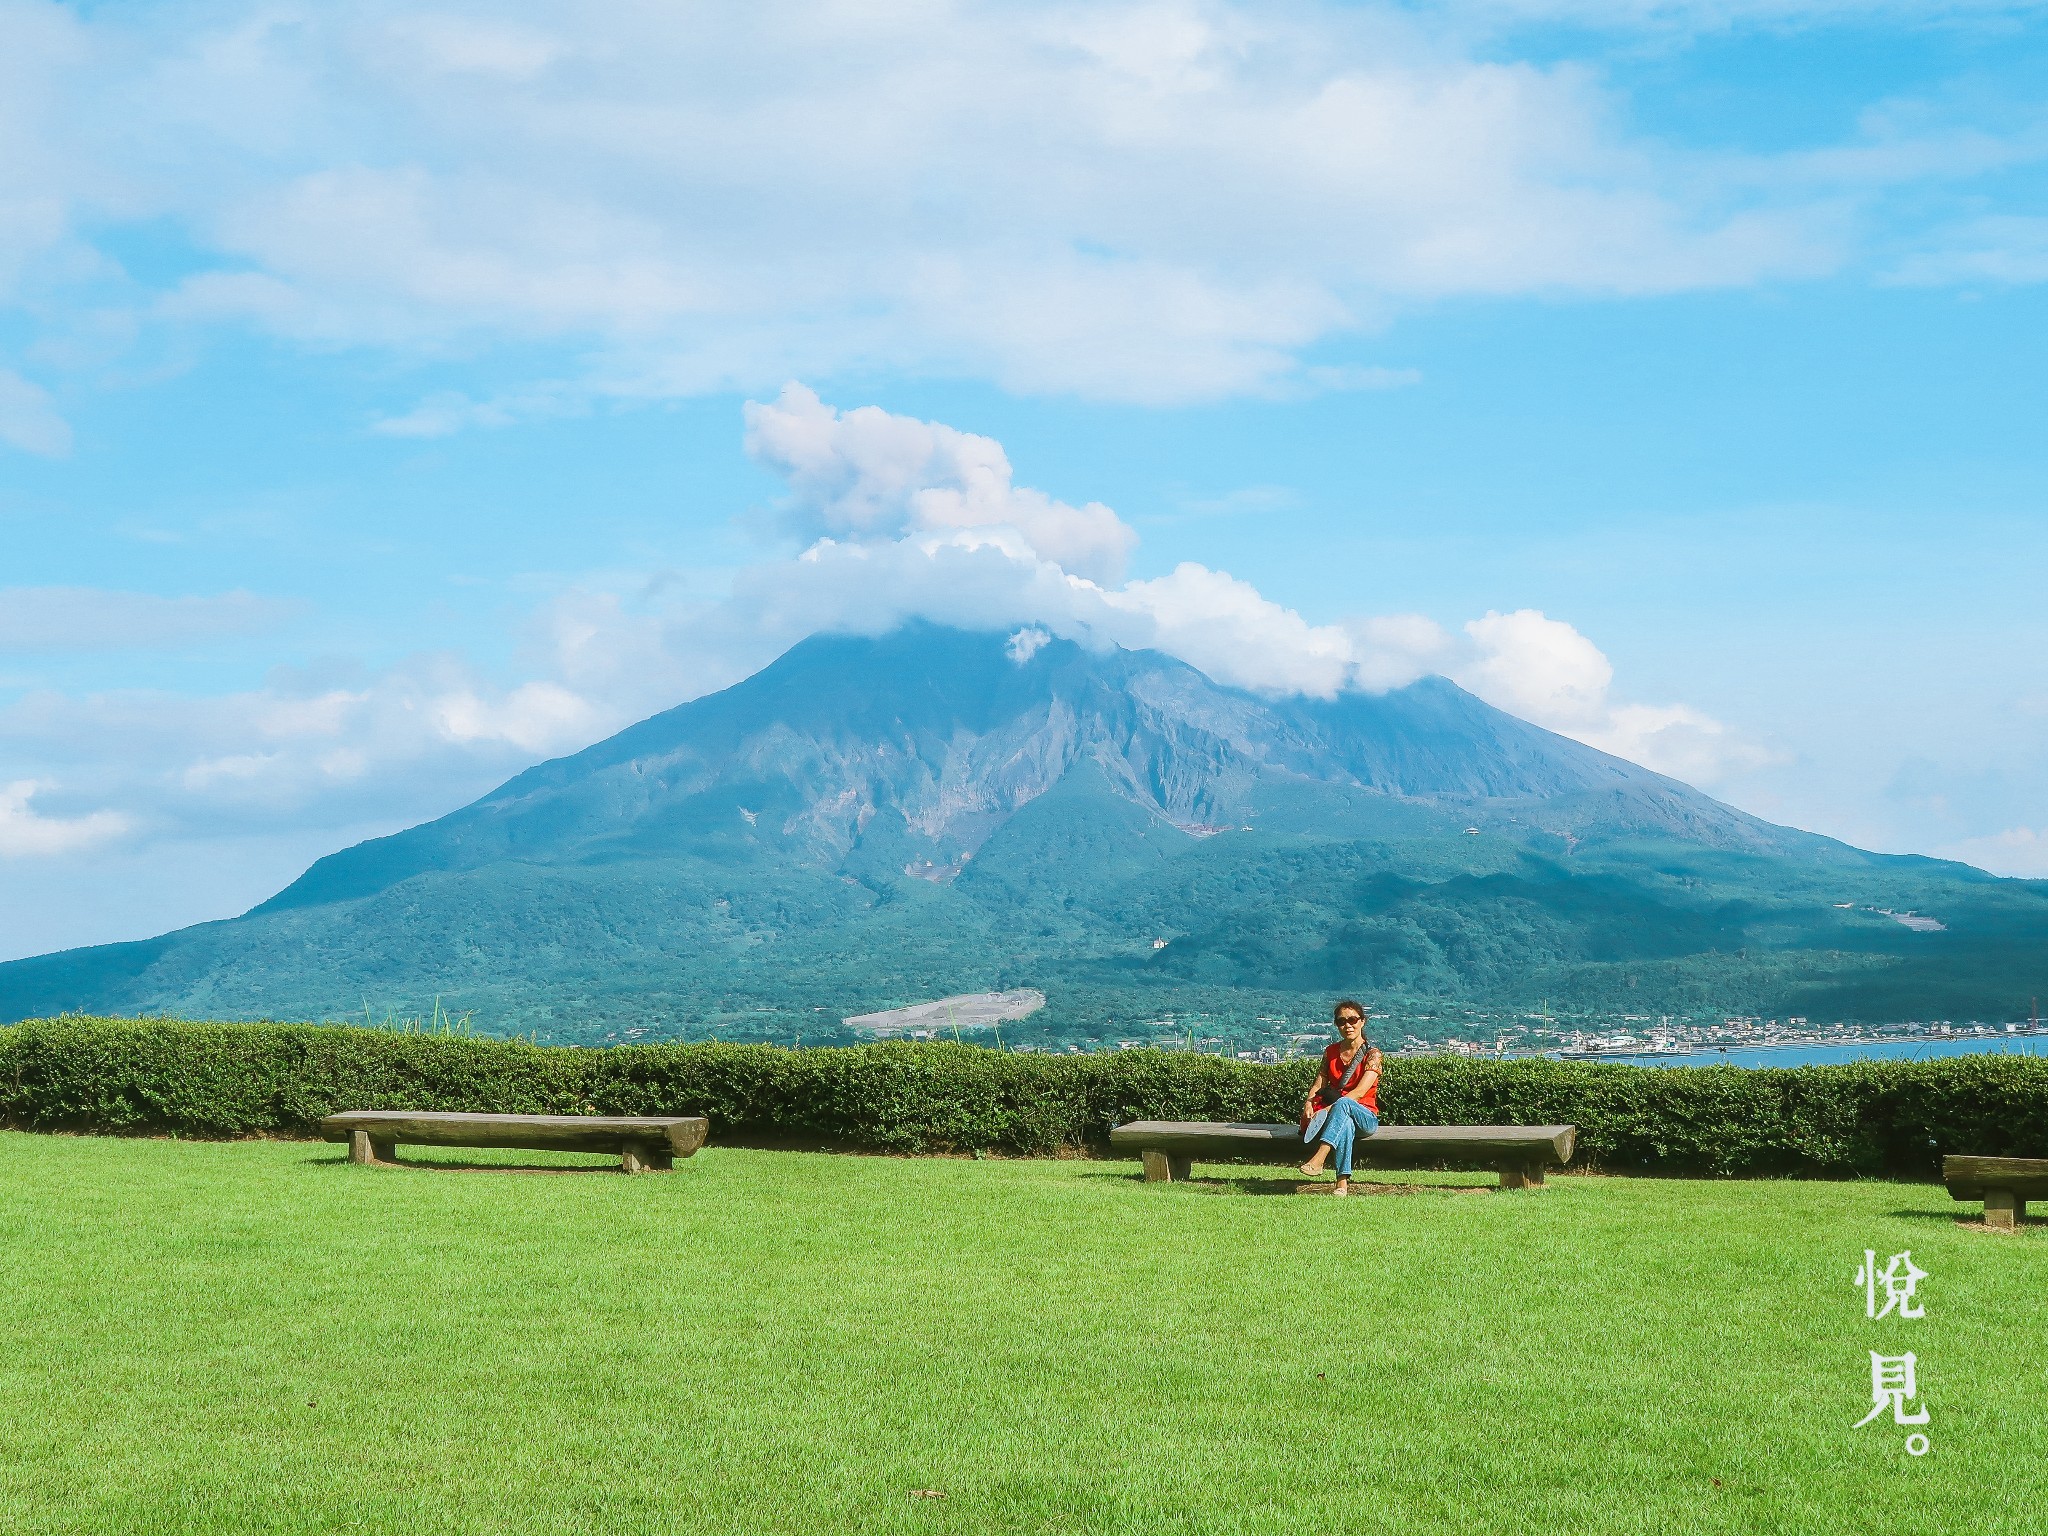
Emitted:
pixel 872 821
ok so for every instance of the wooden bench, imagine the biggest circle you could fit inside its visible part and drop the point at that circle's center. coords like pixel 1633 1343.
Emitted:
pixel 2004 1184
pixel 1520 1152
pixel 642 1142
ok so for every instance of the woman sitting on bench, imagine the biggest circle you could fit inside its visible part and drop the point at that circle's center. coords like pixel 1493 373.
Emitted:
pixel 1345 1103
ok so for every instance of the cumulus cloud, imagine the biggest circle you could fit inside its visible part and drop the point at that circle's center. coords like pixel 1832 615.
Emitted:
pixel 908 518
pixel 532 717
pixel 869 473
pixel 1147 200
pixel 1391 650
pixel 24 833
pixel 1537 667
pixel 1229 630
pixel 981 578
pixel 1545 671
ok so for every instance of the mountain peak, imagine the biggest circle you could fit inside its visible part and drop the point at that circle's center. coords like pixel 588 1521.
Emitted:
pixel 945 732
pixel 939 805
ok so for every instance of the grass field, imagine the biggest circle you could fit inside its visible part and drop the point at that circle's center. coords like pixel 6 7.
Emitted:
pixel 257 1336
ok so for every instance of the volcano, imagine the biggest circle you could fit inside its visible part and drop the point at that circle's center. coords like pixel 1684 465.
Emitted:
pixel 870 821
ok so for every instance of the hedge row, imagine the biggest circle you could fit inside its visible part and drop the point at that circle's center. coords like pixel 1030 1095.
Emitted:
pixel 164 1077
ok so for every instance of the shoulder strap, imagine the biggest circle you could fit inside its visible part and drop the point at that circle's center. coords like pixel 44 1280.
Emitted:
pixel 1354 1073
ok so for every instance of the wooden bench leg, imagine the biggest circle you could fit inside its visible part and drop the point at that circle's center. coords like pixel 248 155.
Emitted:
pixel 1165 1167
pixel 2002 1208
pixel 1514 1176
pixel 647 1157
pixel 371 1151
pixel 1532 1174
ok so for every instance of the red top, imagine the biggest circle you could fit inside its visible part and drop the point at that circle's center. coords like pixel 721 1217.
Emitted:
pixel 1337 1075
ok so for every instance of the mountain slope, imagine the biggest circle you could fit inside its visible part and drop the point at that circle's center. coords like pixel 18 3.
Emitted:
pixel 870 821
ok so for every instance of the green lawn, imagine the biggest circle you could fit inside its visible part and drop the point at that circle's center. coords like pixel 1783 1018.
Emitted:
pixel 257 1336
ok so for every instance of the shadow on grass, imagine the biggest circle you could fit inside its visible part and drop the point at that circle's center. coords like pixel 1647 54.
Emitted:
pixel 1224 1184
pixel 456 1165
pixel 1968 1219
pixel 1359 1187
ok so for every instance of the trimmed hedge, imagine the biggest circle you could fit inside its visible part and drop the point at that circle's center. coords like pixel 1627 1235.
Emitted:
pixel 165 1077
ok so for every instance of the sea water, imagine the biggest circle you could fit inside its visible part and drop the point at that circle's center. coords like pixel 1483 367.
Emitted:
pixel 1854 1050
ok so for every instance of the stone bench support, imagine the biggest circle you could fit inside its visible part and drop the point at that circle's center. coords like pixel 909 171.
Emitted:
pixel 2004 1184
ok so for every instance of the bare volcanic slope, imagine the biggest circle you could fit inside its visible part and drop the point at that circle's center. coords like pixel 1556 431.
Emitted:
pixel 871 821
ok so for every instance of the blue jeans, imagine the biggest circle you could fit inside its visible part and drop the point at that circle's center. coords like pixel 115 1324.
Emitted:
pixel 1341 1125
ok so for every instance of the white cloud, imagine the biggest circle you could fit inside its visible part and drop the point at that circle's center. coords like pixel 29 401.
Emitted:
pixel 1675 739
pixel 532 717
pixel 859 482
pixel 1545 671
pixel 1160 201
pixel 26 834
pixel 981 579
pixel 305 750
pixel 1539 668
pixel 29 419
pixel 1393 650
pixel 71 619
pixel 1228 629
pixel 871 474
pixel 1026 643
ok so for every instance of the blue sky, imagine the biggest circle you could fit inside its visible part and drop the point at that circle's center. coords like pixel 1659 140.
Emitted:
pixel 392 395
